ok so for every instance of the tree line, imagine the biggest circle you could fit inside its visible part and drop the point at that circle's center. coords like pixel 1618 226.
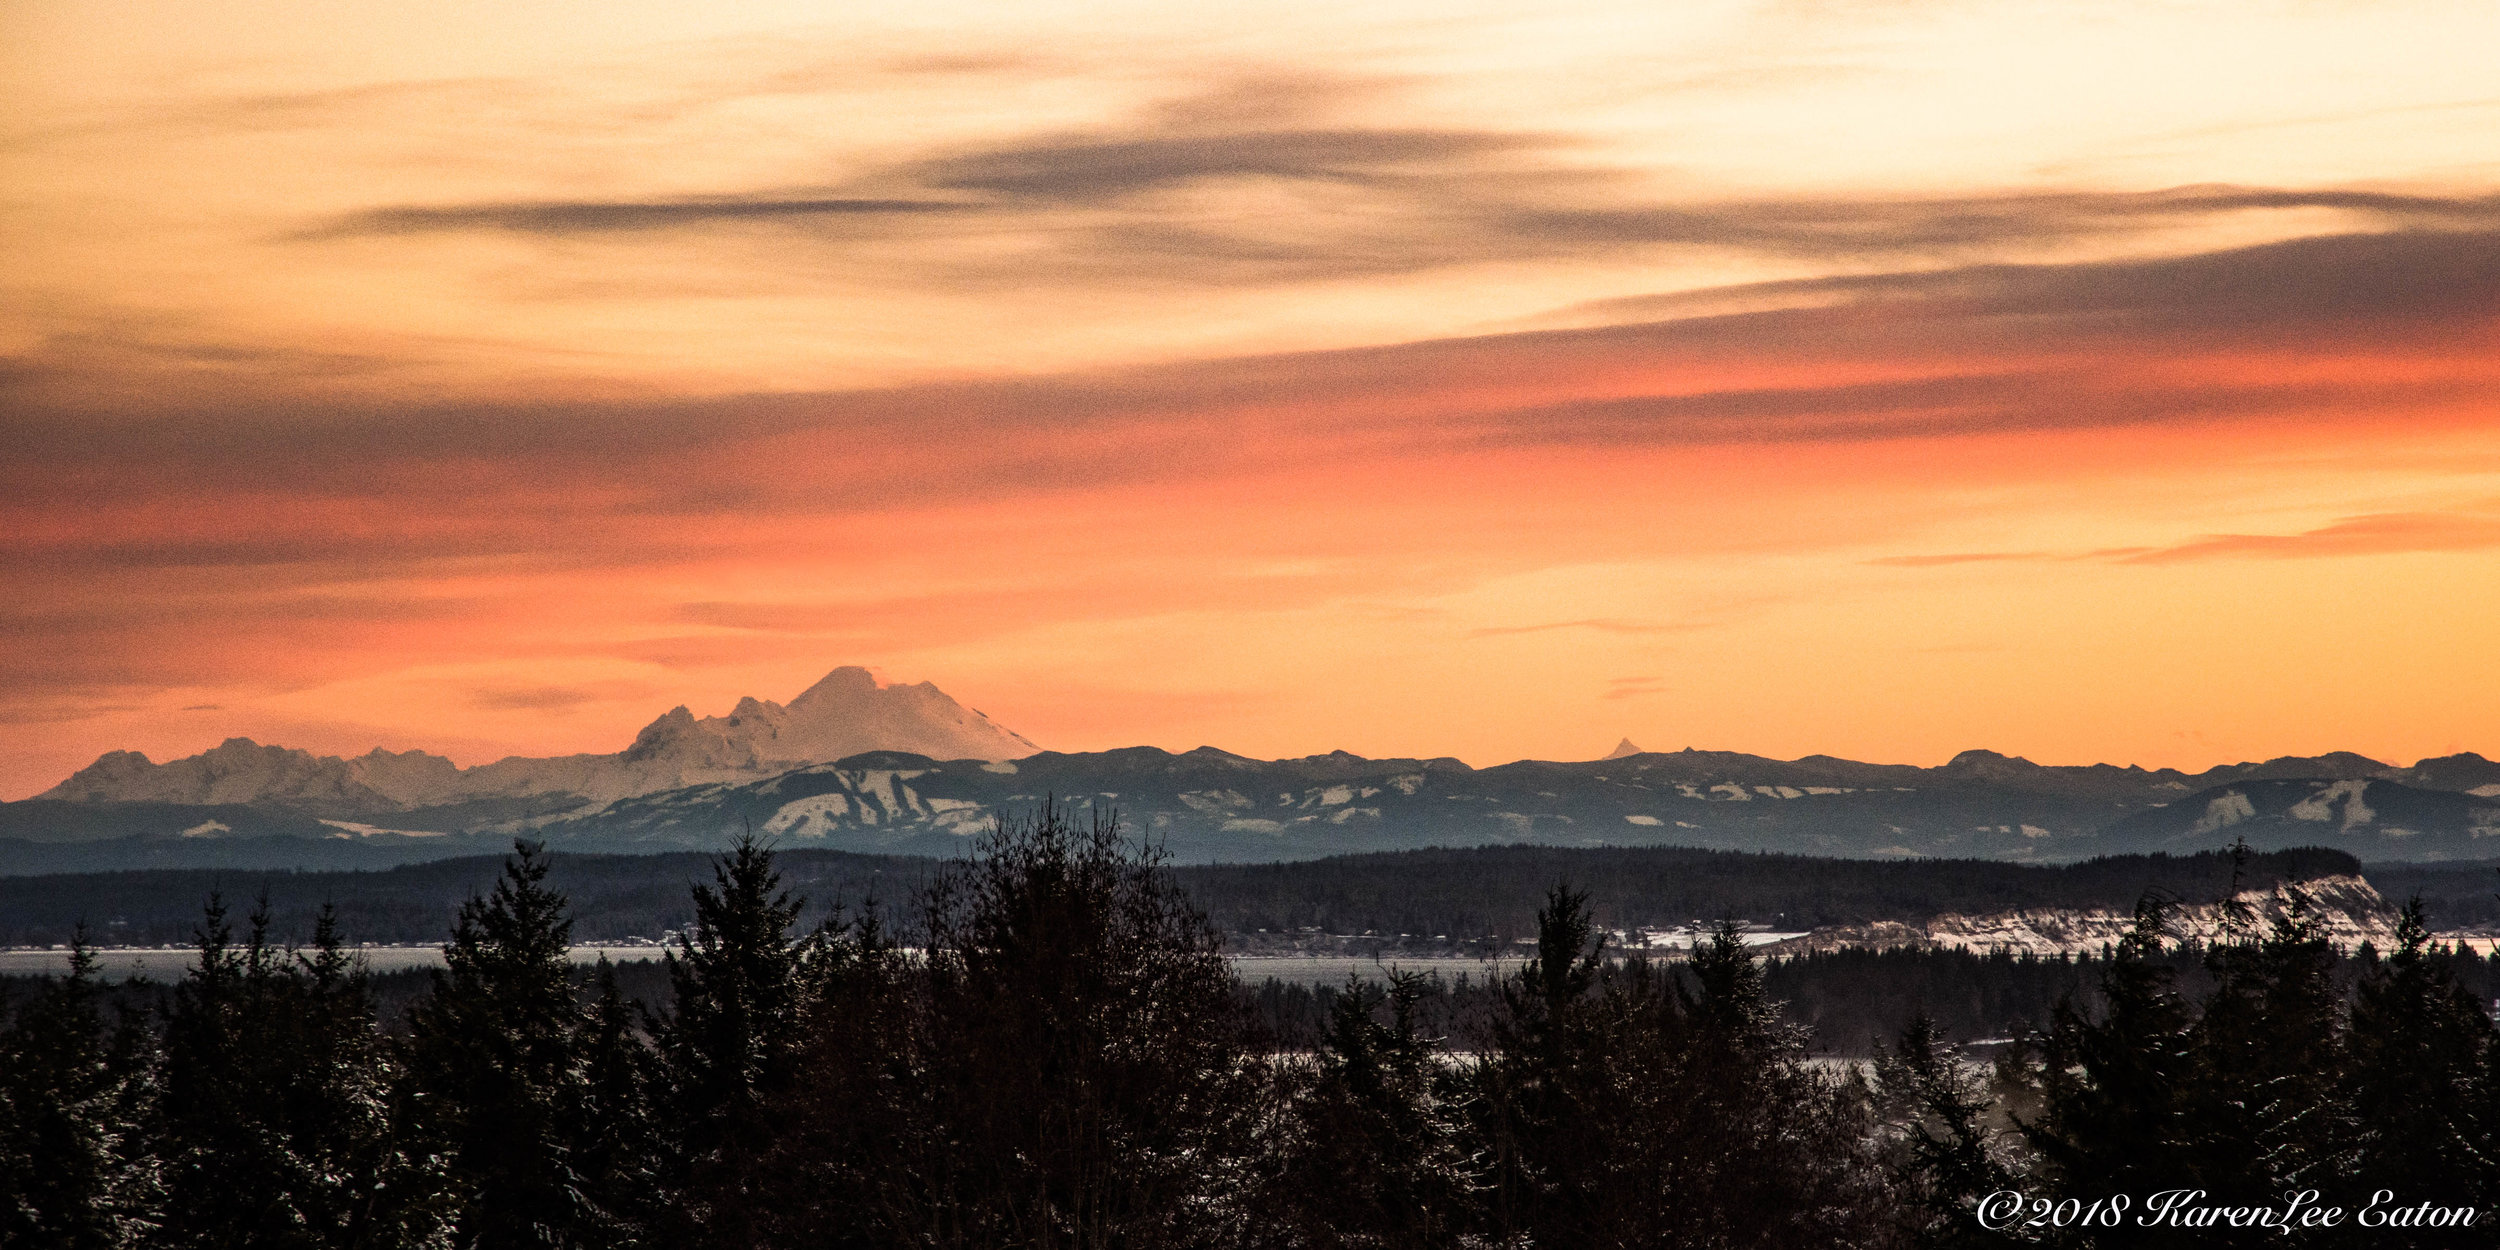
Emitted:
pixel 1855 1002
pixel 1474 891
pixel 1046 1048
pixel 1456 894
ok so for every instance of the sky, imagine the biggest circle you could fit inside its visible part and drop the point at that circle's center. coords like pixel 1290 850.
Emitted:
pixel 2109 383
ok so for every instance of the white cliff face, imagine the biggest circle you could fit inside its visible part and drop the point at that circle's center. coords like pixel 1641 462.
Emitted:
pixel 847 713
pixel 2348 909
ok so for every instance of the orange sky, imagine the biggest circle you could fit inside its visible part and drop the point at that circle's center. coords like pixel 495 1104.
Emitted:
pixel 1879 380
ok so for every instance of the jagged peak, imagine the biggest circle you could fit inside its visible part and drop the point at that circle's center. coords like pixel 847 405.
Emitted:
pixel 672 724
pixel 1623 750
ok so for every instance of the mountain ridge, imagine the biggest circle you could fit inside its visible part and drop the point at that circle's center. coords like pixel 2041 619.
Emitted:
pixel 846 712
pixel 933 773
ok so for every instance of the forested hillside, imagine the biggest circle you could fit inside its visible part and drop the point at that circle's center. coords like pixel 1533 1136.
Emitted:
pixel 1468 893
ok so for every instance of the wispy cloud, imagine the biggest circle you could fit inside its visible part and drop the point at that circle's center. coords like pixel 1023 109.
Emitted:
pixel 2384 533
pixel 1601 625
pixel 534 698
pixel 2388 533
pixel 1959 557
pixel 1989 350
pixel 2350 279
pixel 1361 198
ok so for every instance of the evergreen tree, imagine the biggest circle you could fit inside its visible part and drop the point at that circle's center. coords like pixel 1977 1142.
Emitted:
pixel 1542 1083
pixel 622 1154
pixel 1784 1157
pixel 496 1070
pixel 2114 1092
pixel 273 1125
pixel 743 989
pixel 2263 1114
pixel 74 1174
pixel 1949 1161
pixel 1620 1107
pixel 2422 1050
pixel 1084 1048
pixel 1378 1158
pixel 863 1155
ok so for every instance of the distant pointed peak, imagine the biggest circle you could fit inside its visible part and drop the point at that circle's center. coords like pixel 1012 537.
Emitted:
pixel 1622 749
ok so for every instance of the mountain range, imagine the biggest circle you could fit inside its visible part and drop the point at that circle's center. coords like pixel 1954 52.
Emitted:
pixel 846 713
pixel 852 763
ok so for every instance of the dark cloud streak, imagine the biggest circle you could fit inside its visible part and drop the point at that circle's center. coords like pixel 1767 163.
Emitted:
pixel 1420 199
pixel 1992 350
pixel 614 216
pixel 1101 173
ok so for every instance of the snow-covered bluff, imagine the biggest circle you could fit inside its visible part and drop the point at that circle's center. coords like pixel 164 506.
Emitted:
pixel 846 713
pixel 2349 911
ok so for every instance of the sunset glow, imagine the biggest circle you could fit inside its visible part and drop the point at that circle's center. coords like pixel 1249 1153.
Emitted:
pixel 1879 381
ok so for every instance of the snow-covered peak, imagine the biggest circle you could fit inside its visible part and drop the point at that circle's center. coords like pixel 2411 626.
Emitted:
pixel 848 712
pixel 237 770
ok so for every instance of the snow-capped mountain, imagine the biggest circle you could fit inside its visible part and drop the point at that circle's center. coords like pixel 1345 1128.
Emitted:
pixel 688 783
pixel 238 770
pixel 846 713
pixel 2377 819
pixel 1211 804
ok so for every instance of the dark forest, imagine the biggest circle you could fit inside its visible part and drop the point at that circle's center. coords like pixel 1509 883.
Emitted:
pixel 1044 1046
